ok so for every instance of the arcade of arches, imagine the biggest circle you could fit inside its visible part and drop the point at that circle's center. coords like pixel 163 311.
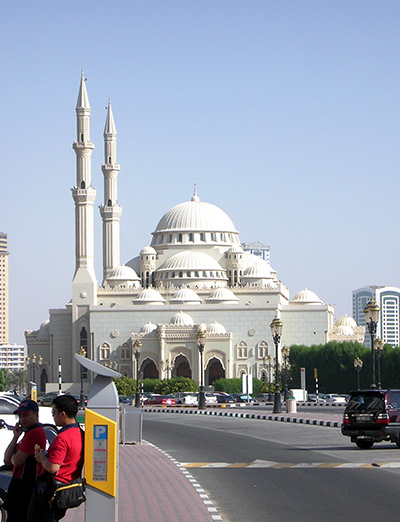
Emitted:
pixel 213 370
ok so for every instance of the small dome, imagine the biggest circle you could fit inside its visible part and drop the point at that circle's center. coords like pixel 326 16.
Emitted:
pixel 149 296
pixel 222 295
pixel 182 319
pixel 345 320
pixel 123 273
pixel 185 295
pixel 260 270
pixel 236 249
pixel 306 297
pixel 148 250
pixel 44 330
pixel 148 328
pixel 216 329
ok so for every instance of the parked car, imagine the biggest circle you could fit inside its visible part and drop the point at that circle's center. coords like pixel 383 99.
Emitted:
pixel 264 397
pixel 225 398
pixel 123 399
pixel 312 397
pixel 240 397
pixel 372 416
pixel 334 398
pixel 188 398
pixel 47 398
pixel 161 400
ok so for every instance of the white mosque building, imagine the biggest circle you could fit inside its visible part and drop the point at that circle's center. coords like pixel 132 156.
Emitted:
pixel 194 274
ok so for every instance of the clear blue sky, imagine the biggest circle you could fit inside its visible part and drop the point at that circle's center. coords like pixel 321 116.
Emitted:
pixel 285 114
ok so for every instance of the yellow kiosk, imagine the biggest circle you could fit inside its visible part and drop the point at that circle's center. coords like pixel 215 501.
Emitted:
pixel 101 444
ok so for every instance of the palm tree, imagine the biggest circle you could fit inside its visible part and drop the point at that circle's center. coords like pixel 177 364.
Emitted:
pixel 17 380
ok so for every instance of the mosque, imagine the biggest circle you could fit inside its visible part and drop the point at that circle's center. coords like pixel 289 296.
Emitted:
pixel 193 275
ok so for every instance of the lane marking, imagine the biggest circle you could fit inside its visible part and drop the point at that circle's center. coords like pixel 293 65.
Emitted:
pixel 289 465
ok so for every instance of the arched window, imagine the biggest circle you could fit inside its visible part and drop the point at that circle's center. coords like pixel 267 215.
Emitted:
pixel 201 236
pixel 242 350
pixel 191 237
pixel 173 274
pixel 109 203
pixel 170 238
pixel 180 238
pixel 105 351
pixel 83 185
pixel 180 274
pixel 188 274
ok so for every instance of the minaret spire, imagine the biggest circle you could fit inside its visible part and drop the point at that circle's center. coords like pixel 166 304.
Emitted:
pixel 110 211
pixel 84 283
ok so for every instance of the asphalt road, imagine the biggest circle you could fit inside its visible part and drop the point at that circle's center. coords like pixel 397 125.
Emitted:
pixel 265 471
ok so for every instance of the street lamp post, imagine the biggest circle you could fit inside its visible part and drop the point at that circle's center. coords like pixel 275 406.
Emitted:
pixel 137 345
pixel 371 312
pixel 276 331
pixel 201 336
pixel 379 350
pixel 82 353
pixel 358 364
pixel 285 355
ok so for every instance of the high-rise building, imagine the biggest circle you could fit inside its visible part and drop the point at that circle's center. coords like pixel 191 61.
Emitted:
pixel 12 357
pixel 3 289
pixel 258 249
pixel 388 299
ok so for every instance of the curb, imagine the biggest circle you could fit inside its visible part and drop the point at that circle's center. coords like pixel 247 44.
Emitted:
pixel 278 418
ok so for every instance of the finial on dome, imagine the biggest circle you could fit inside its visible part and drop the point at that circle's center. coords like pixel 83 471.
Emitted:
pixel 195 197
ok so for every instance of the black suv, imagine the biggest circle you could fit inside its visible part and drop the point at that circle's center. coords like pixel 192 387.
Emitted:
pixel 372 416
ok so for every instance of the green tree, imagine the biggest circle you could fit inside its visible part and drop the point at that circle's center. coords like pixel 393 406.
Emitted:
pixel 15 380
pixel 125 386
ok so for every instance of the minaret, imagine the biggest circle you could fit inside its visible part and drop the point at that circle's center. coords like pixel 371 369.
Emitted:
pixel 110 211
pixel 84 281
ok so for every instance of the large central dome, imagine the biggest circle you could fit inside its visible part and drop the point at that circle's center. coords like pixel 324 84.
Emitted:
pixel 195 216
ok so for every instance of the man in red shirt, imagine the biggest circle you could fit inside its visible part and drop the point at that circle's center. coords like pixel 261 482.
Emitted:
pixel 21 456
pixel 62 463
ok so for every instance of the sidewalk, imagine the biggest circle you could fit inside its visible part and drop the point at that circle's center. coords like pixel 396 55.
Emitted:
pixel 154 487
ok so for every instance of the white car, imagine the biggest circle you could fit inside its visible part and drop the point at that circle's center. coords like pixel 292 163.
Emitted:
pixel 334 398
pixel 188 398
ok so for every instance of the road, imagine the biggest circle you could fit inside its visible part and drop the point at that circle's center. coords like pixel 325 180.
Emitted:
pixel 280 471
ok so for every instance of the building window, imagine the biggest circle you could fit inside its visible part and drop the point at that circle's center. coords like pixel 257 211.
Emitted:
pixel 180 238
pixel 105 350
pixel 191 237
pixel 242 350
pixel 201 236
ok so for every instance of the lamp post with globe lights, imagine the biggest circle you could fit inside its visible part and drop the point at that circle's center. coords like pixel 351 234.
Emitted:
pixel 371 312
pixel 379 350
pixel 358 364
pixel 276 331
pixel 137 345
pixel 285 356
pixel 201 336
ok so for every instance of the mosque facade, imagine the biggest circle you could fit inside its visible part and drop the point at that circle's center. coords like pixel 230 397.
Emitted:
pixel 193 275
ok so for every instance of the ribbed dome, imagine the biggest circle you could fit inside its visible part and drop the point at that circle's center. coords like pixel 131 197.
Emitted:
pixel 185 295
pixel 190 260
pixel 149 296
pixel 195 215
pixel 148 328
pixel 148 250
pixel 260 270
pixel 345 320
pixel 182 319
pixel 222 295
pixel 216 329
pixel 306 297
pixel 123 273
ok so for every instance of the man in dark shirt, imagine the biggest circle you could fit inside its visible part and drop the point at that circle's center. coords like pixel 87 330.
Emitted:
pixel 62 463
pixel 20 454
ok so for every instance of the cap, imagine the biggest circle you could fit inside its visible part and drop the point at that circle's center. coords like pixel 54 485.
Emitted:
pixel 27 405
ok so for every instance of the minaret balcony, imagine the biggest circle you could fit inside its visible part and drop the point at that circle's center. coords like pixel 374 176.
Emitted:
pixel 82 145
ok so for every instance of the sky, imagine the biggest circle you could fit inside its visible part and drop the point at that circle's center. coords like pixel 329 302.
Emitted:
pixel 285 114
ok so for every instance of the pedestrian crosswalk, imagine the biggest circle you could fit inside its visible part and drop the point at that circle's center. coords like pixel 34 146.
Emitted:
pixel 286 465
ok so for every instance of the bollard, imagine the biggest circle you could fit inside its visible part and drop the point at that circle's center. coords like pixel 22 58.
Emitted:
pixel 291 405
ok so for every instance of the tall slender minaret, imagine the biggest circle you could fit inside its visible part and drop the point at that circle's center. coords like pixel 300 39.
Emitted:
pixel 110 211
pixel 84 282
